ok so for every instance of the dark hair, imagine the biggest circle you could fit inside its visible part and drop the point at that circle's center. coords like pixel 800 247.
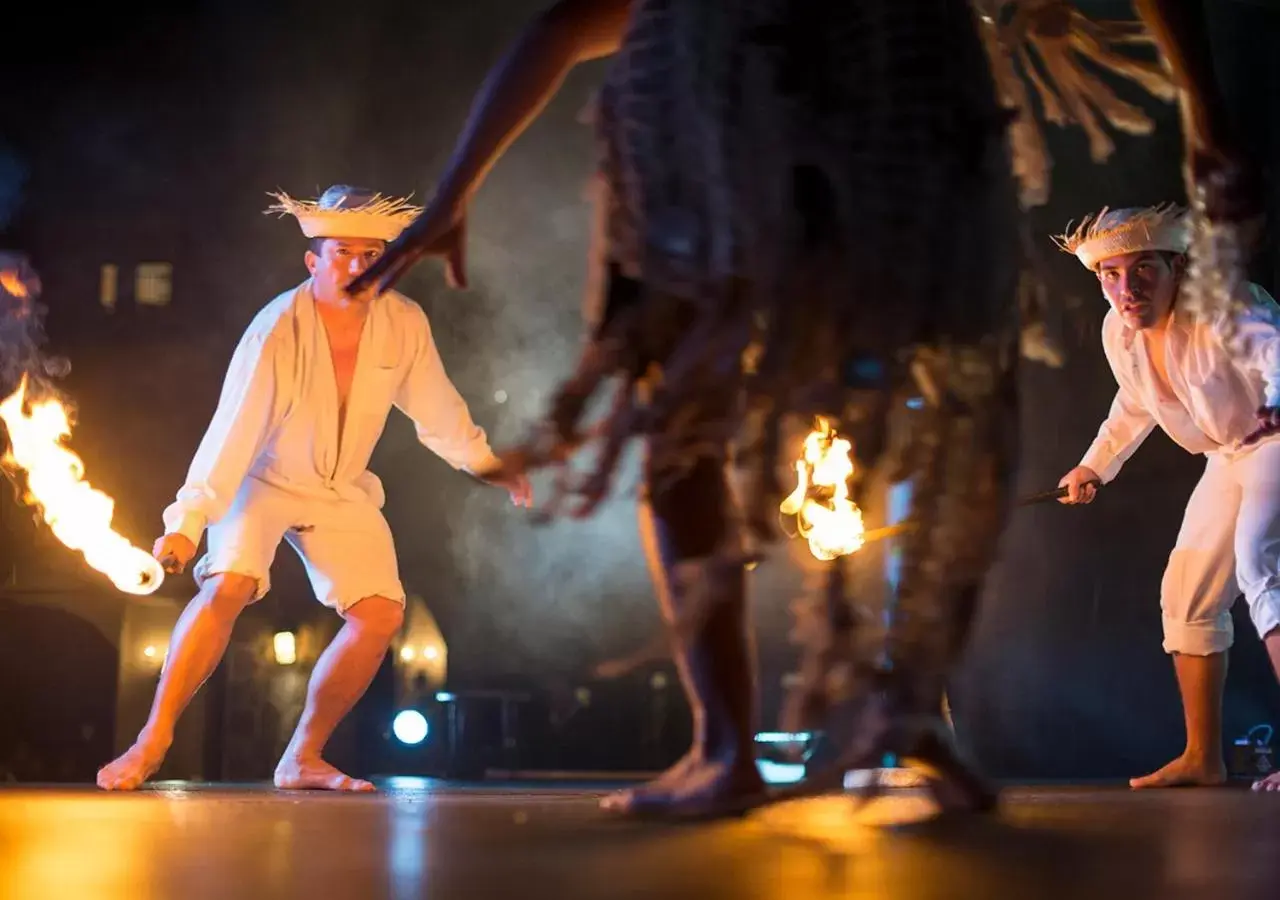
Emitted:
pixel 316 245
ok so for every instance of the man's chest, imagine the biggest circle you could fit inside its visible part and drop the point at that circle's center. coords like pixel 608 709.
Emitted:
pixel 1157 354
pixel 344 370
pixel 1185 370
pixel 344 348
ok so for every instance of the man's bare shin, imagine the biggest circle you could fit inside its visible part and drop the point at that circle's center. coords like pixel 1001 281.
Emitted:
pixel 344 672
pixel 199 640
pixel 1201 681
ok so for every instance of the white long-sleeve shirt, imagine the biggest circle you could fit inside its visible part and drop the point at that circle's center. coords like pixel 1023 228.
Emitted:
pixel 277 416
pixel 1215 394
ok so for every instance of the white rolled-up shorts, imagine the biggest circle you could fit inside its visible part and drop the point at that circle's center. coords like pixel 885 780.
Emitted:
pixel 345 545
pixel 1229 544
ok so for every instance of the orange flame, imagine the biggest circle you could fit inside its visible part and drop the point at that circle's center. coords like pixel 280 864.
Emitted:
pixel 12 284
pixel 10 281
pixel 832 524
pixel 78 514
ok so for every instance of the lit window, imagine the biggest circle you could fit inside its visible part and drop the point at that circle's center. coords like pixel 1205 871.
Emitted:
pixel 107 286
pixel 154 285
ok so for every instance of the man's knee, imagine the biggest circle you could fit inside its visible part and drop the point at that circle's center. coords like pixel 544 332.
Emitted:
pixel 381 616
pixel 228 593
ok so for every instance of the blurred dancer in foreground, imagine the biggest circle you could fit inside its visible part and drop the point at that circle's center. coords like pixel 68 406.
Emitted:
pixel 803 208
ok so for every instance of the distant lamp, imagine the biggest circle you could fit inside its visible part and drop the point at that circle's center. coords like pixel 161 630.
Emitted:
pixel 410 727
pixel 430 653
pixel 155 654
pixel 286 648
pixel 407 654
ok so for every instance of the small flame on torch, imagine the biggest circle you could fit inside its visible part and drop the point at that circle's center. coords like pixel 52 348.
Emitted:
pixel 825 516
pixel 10 282
pixel 78 514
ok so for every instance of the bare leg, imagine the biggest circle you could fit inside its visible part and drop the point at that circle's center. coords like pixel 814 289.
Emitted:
pixel 684 521
pixel 1201 680
pixel 955 784
pixel 198 643
pixel 1272 640
pixel 343 674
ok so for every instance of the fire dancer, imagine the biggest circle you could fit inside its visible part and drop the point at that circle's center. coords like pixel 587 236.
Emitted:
pixel 305 399
pixel 768 174
pixel 1213 384
pixel 720 213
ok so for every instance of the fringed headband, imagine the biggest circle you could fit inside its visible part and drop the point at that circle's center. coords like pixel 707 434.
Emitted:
pixel 344 211
pixel 1120 231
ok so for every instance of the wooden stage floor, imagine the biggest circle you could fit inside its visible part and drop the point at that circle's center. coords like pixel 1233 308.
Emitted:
pixel 420 838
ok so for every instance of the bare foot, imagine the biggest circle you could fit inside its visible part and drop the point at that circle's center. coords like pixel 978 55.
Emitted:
pixel 133 767
pixel 705 787
pixel 1184 771
pixel 620 801
pixel 293 774
pixel 956 784
pixel 1269 784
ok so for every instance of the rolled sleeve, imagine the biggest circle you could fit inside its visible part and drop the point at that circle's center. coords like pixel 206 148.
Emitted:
pixel 1125 428
pixel 441 417
pixel 235 436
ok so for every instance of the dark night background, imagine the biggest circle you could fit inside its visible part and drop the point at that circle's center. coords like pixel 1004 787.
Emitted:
pixel 132 135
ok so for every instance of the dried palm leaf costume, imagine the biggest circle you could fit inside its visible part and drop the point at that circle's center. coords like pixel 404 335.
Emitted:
pixel 824 191
pixel 809 207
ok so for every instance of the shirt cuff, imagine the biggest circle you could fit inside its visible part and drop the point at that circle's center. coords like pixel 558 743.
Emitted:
pixel 189 524
pixel 1102 461
pixel 483 461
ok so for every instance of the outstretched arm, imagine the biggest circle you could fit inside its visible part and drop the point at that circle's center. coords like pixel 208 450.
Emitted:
pixel 1215 161
pixel 1181 33
pixel 1126 427
pixel 443 420
pixel 516 90
pixel 525 79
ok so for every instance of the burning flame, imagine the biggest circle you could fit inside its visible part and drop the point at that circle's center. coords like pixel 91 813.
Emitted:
pixel 78 514
pixel 825 515
pixel 10 282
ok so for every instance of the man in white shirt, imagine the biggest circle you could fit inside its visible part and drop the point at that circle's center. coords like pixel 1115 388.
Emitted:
pixel 1174 369
pixel 305 399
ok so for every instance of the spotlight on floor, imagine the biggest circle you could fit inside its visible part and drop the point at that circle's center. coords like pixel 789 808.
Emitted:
pixel 410 727
pixel 783 755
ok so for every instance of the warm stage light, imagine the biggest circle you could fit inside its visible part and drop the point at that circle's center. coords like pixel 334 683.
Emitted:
pixel 286 648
